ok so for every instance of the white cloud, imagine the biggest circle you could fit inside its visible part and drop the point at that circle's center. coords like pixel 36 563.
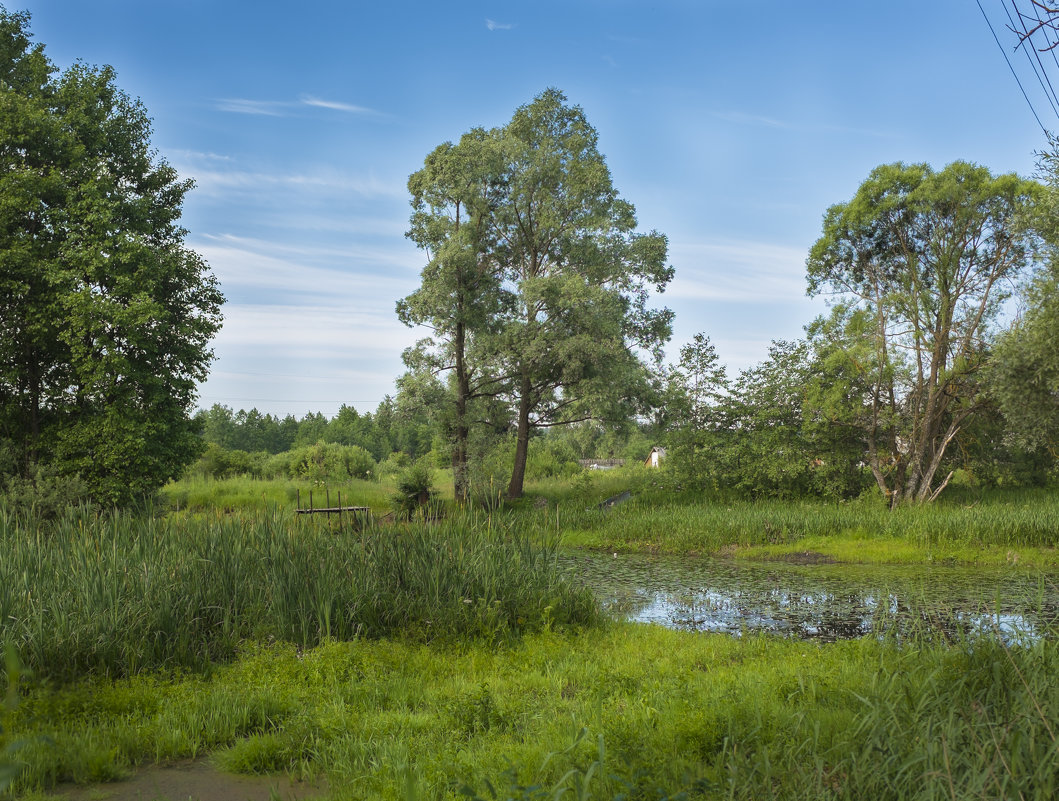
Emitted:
pixel 361 277
pixel 280 108
pixel 313 331
pixel 735 270
pixel 198 155
pixel 213 182
pixel 744 118
pixel 238 105
pixel 336 105
pixel 751 119
pixel 493 25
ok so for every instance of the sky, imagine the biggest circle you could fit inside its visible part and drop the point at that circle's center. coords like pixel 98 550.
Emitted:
pixel 731 126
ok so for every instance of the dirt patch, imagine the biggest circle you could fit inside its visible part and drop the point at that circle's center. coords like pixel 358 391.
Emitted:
pixel 194 781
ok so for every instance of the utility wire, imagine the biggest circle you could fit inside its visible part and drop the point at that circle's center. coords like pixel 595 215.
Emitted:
pixel 1047 37
pixel 1032 55
pixel 1003 52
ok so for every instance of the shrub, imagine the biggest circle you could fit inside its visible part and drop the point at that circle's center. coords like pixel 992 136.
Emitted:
pixel 415 494
pixel 329 461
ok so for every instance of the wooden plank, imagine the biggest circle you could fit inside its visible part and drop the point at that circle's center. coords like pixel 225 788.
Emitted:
pixel 333 509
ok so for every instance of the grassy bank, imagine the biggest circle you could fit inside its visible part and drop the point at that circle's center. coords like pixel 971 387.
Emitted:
pixel 1000 528
pixel 988 528
pixel 716 716
pixel 199 494
pixel 118 593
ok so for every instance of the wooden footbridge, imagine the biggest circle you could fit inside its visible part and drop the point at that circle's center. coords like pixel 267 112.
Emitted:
pixel 359 515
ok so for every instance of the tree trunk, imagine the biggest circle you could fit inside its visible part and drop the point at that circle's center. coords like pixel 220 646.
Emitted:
pixel 460 479
pixel 518 470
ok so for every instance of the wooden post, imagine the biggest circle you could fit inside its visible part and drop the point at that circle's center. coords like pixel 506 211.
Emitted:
pixel 299 499
pixel 310 500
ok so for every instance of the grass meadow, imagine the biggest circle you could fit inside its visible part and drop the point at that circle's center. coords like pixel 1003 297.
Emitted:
pixel 616 711
pixel 454 658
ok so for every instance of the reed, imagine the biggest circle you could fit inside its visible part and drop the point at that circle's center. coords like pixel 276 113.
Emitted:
pixel 119 594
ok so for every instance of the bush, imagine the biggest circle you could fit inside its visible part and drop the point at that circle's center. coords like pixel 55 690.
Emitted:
pixel 45 493
pixel 415 494
pixel 394 464
pixel 331 462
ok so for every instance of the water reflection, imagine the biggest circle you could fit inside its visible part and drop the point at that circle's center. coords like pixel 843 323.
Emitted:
pixel 822 601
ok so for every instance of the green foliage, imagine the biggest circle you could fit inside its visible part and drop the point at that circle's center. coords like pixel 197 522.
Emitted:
pixel 9 746
pixel 106 315
pixel 973 526
pixel 768 433
pixel 1024 376
pixel 324 462
pixel 548 317
pixel 922 262
pixel 45 492
pixel 415 496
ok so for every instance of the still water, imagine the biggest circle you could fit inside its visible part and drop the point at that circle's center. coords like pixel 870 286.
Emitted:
pixel 821 601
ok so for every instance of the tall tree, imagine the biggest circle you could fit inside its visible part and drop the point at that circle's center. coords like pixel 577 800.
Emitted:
pixel 453 198
pixel 927 257
pixel 579 275
pixel 105 315
pixel 537 285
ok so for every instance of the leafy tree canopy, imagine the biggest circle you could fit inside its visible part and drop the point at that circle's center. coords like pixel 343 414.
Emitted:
pixel 105 316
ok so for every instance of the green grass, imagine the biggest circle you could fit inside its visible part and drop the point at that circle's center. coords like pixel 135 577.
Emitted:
pixel 201 494
pixel 719 717
pixel 988 528
pixel 120 593
pixel 996 529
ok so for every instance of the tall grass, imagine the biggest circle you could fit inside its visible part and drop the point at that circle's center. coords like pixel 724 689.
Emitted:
pixel 1009 519
pixel 205 494
pixel 119 593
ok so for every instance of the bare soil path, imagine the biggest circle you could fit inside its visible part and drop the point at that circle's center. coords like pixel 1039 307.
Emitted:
pixel 194 781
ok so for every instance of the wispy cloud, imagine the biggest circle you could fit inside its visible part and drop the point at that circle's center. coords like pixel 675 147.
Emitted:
pixel 493 25
pixel 358 280
pixel 240 105
pixel 218 182
pixel 198 155
pixel 314 329
pixel 744 118
pixel 750 119
pixel 282 108
pixel 737 271
pixel 336 105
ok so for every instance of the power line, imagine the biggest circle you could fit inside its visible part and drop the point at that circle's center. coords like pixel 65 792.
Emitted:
pixel 1003 52
pixel 283 400
pixel 1024 39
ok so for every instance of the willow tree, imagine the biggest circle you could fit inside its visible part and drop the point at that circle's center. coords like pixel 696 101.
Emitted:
pixel 922 262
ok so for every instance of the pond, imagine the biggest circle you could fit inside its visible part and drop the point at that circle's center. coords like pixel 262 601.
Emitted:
pixel 820 601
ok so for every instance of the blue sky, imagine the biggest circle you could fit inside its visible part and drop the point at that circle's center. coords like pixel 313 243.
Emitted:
pixel 730 126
